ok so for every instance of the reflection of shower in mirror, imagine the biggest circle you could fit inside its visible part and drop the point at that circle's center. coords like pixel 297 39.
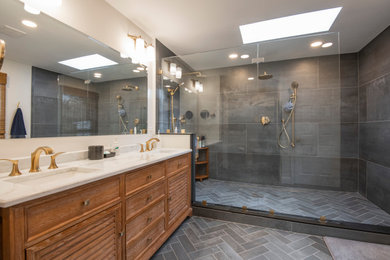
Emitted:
pixel 121 114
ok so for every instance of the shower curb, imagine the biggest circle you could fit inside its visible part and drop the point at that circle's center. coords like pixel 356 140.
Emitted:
pixel 299 226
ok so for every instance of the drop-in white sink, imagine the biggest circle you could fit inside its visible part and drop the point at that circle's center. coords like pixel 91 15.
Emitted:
pixel 50 176
pixel 162 151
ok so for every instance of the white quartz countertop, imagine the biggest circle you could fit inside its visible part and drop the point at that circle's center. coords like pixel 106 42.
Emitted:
pixel 29 186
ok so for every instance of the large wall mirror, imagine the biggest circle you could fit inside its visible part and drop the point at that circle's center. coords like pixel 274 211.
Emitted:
pixel 58 98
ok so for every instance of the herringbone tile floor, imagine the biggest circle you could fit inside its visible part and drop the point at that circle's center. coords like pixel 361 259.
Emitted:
pixel 210 239
pixel 334 205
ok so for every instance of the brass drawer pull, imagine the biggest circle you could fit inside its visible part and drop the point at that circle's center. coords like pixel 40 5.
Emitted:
pixel 86 203
pixel 149 198
pixel 149 220
pixel 121 234
pixel 148 240
pixel 169 199
pixel 149 177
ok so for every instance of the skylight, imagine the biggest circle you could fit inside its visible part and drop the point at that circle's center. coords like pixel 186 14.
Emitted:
pixel 88 62
pixel 300 24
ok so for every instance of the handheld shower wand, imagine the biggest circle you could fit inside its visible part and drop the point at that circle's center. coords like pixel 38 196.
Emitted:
pixel 289 107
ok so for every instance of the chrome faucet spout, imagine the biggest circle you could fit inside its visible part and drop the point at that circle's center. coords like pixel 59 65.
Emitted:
pixel 36 155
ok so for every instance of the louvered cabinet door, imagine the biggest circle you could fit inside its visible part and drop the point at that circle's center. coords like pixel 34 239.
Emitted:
pixel 98 237
pixel 178 195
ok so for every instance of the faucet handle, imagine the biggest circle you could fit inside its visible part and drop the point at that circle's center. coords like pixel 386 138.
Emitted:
pixel 152 145
pixel 53 164
pixel 142 148
pixel 15 167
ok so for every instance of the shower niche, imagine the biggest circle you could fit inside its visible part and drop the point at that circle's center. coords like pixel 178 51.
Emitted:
pixel 283 135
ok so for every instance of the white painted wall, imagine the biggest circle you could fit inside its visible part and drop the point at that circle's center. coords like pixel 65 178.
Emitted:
pixel 18 89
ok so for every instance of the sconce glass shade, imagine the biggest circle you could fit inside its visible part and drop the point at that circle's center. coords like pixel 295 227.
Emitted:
pixel 178 72
pixel 200 88
pixel 172 68
pixel 129 48
pixel 197 85
pixel 150 53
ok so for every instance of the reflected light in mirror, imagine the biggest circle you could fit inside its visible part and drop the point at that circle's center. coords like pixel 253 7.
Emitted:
pixel 326 45
pixel 31 9
pixel 172 68
pixel 88 62
pixel 316 44
pixel 29 23
pixel 233 56
pixel 136 71
pixel 244 56
pixel 251 78
pixel 97 75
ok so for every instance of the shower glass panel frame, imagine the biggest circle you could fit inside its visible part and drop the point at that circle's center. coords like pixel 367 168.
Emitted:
pixel 304 169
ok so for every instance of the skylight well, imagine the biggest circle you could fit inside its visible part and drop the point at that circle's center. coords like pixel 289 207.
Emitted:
pixel 300 24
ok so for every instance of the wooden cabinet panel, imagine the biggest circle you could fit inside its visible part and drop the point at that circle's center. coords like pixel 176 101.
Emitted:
pixel 178 192
pixel 142 221
pixel 44 217
pixel 137 202
pixel 135 249
pixel 177 163
pixel 94 238
pixel 138 179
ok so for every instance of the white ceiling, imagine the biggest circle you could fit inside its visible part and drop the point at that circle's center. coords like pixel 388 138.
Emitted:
pixel 188 27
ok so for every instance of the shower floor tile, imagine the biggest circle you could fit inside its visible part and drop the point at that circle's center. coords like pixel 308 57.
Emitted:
pixel 334 205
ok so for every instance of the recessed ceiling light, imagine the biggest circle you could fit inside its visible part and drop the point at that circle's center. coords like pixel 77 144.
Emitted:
pixel 31 10
pixel 167 86
pixel 140 68
pixel 244 56
pixel 136 71
pixel 88 62
pixel 29 23
pixel 233 56
pixel 316 44
pixel 97 75
pixel 300 24
pixel 327 44
pixel 251 78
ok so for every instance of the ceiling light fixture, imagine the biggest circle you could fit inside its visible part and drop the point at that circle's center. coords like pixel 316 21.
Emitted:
pixel 97 75
pixel 29 23
pixel 233 56
pixel 316 44
pixel 244 56
pixel 88 62
pixel 300 24
pixel 31 10
pixel 327 44
pixel 138 50
pixel 136 71
pixel 251 78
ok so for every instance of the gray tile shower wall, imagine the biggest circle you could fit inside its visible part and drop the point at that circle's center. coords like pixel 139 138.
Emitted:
pixel 326 151
pixel 374 120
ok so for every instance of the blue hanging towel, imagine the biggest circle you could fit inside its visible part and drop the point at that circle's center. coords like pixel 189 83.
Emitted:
pixel 17 129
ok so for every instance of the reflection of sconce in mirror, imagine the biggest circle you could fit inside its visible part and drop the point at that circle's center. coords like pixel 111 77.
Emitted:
pixel 265 120
pixel 136 121
pixel 175 70
pixel 130 88
pixel 198 86
pixel 138 50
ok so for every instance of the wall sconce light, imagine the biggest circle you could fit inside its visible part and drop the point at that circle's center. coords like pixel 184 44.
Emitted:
pixel 175 70
pixel 172 68
pixel 138 50
pixel 178 72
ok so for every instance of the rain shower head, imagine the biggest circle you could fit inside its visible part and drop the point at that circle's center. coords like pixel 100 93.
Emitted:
pixel 130 88
pixel 265 76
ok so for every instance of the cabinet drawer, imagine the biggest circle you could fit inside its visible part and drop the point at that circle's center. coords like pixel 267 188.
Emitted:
pixel 137 247
pixel 178 163
pixel 59 211
pixel 137 202
pixel 178 195
pixel 96 237
pixel 139 223
pixel 136 180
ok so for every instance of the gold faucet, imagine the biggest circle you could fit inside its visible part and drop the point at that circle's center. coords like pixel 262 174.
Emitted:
pixel 53 164
pixel 35 157
pixel 149 146
pixel 15 168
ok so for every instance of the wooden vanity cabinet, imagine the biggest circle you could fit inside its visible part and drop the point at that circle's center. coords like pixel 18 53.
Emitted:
pixel 127 216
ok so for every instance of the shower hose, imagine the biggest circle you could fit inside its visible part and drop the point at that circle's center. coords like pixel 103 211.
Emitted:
pixel 285 123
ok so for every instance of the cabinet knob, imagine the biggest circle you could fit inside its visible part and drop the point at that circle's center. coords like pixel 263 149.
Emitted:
pixel 169 199
pixel 149 220
pixel 149 177
pixel 86 202
pixel 148 240
pixel 149 198
pixel 121 234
